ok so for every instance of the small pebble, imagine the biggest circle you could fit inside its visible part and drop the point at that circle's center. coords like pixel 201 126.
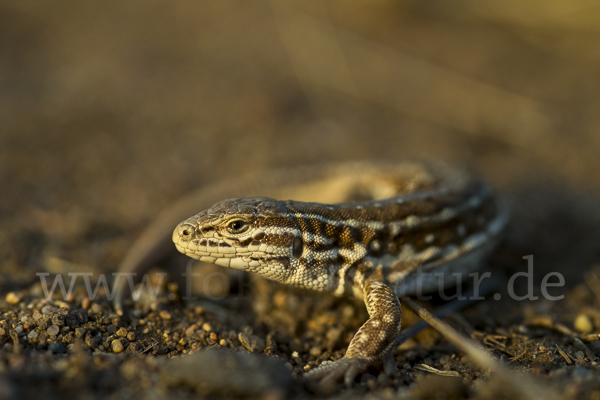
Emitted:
pixel 189 332
pixel 131 336
pixel 86 303
pixel 214 336
pixel 53 330
pixel 251 342
pixel 32 335
pixel 122 332
pixel 62 304
pixel 2 332
pixel 116 346
pixel 111 328
pixel 583 324
pixel 315 351
pixel 296 358
pixel 207 327
pixel 57 348
pixel 13 298
pixel 223 342
pixel 18 329
pixel 164 314
pixel 92 342
pixel 333 335
pixel 96 308
pixel 348 311
pixel 47 310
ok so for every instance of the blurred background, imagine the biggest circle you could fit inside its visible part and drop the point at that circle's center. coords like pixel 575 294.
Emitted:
pixel 110 111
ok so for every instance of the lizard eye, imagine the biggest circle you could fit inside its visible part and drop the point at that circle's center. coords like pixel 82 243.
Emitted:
pixel 237 226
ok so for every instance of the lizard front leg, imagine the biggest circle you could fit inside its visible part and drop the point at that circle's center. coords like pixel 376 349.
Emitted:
pixel 372 342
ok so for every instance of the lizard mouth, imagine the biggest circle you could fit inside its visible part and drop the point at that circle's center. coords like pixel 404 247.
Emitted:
pixel 192 243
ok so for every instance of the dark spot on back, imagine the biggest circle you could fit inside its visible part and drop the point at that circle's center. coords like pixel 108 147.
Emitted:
pixel 297 247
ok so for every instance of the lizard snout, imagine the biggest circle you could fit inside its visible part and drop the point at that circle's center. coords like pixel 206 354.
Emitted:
pixel 184 231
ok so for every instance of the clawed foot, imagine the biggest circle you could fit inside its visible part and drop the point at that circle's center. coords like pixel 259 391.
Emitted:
pixel 330 372
pixel 372 343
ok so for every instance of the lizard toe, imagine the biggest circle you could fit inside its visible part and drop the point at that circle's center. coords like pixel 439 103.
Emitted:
pixel 329 373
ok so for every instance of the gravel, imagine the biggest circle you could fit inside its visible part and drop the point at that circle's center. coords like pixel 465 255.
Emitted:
pixel 117 346
pixel 53 330
pixel 57 348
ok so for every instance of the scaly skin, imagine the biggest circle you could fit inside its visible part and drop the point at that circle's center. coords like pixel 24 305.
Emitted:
pixel 424 219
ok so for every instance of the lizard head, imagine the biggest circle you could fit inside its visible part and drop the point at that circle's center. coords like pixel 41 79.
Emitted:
pixel 248 234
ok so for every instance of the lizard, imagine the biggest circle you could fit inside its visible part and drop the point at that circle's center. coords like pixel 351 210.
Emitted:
pixel 383 230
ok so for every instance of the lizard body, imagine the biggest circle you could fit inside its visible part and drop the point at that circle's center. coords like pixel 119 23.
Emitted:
pixel 398 229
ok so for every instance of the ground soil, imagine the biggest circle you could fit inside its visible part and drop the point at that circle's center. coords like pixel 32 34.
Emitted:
pixel 111 111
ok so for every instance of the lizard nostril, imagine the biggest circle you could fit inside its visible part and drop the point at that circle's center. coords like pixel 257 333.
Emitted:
pixel 186 231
